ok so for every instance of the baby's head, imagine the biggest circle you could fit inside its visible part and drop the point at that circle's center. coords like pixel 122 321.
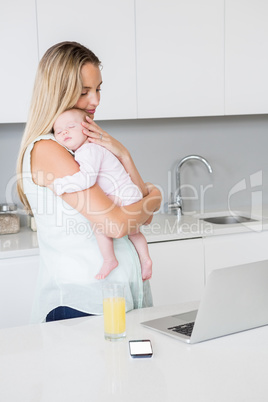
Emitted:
pixel 68 129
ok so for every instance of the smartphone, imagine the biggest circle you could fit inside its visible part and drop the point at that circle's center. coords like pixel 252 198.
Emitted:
pixel 140 348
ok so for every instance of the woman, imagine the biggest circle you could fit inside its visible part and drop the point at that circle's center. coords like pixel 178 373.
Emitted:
pixel 69 76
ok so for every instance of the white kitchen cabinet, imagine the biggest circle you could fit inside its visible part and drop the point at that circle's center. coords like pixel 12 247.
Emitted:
pixel 18 278
pixel 234 249
pixel 246 57
pixel 178 271
pixel 180 58
pixel 19 59
pixel 108 29
pixel 160 58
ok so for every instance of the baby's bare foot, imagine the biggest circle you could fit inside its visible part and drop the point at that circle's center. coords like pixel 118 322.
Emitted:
pixel 106 268
pixel 146 269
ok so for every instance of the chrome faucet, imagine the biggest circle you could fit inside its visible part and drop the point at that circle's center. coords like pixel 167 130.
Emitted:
pixel 177 201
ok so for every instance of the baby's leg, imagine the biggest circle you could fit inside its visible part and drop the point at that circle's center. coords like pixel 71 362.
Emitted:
pixel 141 246
pixel 107 251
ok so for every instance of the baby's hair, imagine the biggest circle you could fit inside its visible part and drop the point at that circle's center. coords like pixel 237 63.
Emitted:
pixel 81 111
pixel 74 109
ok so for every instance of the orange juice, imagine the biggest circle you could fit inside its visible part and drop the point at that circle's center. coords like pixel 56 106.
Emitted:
pixel 114 317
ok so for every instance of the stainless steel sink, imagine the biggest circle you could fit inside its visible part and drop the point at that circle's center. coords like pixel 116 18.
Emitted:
pixel 228 220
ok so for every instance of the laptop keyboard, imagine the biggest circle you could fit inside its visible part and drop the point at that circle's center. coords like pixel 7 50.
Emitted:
pixel 185 329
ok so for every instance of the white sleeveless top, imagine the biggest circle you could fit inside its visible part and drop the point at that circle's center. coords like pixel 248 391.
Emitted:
pixel 70 257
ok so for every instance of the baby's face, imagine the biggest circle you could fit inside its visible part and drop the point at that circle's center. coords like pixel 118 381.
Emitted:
pixel 68 130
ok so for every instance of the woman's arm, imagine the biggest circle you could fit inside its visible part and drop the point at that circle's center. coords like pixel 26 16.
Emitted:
pixel 50 161
pixel 101 137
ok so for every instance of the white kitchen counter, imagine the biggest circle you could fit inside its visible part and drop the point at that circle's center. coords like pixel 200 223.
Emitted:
pixel 20 244
pixel 169 227
pixel 163 228
pixel 70 361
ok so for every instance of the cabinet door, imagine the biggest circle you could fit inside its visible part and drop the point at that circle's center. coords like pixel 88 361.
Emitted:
pixel 17 285
pixel 229 250
pixel 246 57
pixel 19 59
pixel 178 271
pixel 180 58
pixel 108 29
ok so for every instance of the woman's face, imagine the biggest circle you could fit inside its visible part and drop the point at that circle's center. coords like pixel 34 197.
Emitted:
pixel 90 96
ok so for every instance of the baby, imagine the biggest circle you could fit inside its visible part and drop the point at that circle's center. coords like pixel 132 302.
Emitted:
pixel 97 164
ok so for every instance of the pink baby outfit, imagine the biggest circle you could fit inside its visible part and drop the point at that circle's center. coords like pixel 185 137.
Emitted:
pixel 97 164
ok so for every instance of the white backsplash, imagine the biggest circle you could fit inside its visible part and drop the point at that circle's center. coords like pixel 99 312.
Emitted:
pixel 236 147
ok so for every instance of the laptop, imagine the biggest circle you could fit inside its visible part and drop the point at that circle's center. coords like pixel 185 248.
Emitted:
pixel 234 299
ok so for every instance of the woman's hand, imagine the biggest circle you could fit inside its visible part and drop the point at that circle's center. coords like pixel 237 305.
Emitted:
pixel 100 137
pixel 149 220
pixel 157 194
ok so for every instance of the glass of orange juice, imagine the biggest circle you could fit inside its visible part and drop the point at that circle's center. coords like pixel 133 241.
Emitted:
pixel 114 311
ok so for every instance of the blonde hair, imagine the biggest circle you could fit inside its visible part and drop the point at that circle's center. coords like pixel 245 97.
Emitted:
pixel 58 86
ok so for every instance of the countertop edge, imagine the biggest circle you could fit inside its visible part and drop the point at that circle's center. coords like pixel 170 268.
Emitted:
pixel 162 229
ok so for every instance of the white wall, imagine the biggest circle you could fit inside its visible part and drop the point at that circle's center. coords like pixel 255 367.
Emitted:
pixel 236 148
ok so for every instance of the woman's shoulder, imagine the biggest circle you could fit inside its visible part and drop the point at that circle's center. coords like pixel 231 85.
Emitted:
pixel 42 138
pixel 51 158
pixel 46 144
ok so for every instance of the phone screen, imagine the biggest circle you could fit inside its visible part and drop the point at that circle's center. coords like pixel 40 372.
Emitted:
pixel 141 348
